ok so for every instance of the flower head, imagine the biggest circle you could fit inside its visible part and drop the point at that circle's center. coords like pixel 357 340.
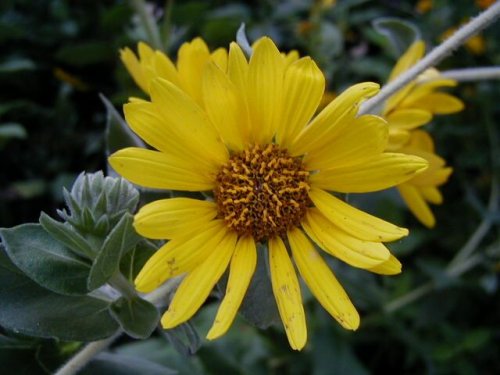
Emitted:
pixel 410 108
pixel 270 165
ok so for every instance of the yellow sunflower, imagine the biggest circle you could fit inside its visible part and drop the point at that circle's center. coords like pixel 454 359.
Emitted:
pixel 269 165
pixel 423 188
pixel 406 111
pixel 416 103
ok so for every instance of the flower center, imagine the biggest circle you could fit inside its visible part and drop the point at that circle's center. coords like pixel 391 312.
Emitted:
pixel 262 191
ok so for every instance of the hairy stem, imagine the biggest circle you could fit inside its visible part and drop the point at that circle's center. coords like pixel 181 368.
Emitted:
pixel 474 26
pixel 472 74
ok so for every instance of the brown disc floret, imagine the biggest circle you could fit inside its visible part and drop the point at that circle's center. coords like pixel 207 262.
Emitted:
pixel 262 191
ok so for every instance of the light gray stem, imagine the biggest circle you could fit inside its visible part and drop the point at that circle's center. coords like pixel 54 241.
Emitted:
pixel 474 26
pixel 473 74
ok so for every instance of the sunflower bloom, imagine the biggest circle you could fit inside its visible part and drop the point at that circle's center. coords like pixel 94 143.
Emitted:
pixel 410 108
pixel 269 165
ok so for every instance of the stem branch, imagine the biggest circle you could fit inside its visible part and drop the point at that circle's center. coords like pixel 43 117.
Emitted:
pixel 148 23
pixel 474 26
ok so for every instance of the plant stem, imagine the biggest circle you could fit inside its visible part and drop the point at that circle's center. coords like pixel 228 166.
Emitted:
pixel 121 284
pixel 148 23
pixel 85 355
pixel 474 26
pixel 472 74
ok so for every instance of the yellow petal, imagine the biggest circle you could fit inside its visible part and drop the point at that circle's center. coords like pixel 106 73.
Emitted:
pixel 437 177
pixel 147 123
pixel 380 172
pixel 352 250
pixel 165 68
pixel 242 268
pixel 431 194
pixel 225 107
pixel 397 139
pixel 408 118
pixel 265 89
pixel 291 57
pixel 321 281
pixel 361 141
pixel 422 140
pixel 304 87
pixel 286 290
pixel 198 284
pixel 408 59
pixel 353 221
pixel 187 121
pixel 417 205
pixel 425 88
pixel 146 53
pixel 237 67
pixel 157 170
pixel 180 255
pixel 392 266
pixel 332 119
pixel 173 217
pixel 439 103
pixel 219 57
pixel 191 60
pixel 134 68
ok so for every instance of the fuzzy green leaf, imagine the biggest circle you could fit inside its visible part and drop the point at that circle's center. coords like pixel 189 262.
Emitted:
pixel 45 260
pixel 137 317
pixel 121 239
pixel 31 310
pixel 67 235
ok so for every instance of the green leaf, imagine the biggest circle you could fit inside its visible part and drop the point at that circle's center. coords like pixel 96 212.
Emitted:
pixel 45 260
pixel 67 235
pixel 118 133
pixel 135 259
pixel 112 363
pixel 400 33
pixel 121 239
pixel 137 317
pixel 259 306
pixel 32 310
pixel 86 53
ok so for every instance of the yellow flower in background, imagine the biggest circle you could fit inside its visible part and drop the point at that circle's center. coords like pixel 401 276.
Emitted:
pixel 186 74
pixel 424 6
pixel 410 108
pixel 416 103
pixel 423 188
pixel 255 144
pixel 475 44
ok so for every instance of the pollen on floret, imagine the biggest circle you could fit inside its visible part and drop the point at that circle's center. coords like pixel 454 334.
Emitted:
pixel 262 191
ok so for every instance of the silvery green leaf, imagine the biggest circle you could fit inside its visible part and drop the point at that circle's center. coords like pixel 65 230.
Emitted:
pixel 46 260
pixel 67 235
pixel 121 239
pixel 400 33
pixel 137 317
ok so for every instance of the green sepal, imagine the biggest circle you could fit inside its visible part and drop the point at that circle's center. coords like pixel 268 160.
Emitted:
pixel 136 258
pixel 121 239
pixel 45 260
pixel 259 305
pixel 67 235
pixel 137 317
pixel 31 310
pixel 184 338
